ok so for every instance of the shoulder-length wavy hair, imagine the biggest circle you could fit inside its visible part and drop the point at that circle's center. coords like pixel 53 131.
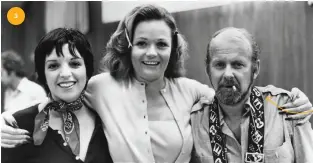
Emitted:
pixel 118 50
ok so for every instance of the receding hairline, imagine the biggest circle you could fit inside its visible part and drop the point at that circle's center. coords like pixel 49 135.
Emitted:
pixel 233 35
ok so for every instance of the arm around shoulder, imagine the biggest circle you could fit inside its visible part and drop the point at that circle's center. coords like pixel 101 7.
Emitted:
pixel 94 87
pixel 199 90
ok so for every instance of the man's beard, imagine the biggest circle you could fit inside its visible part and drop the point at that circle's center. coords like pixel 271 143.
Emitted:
pixel 227 95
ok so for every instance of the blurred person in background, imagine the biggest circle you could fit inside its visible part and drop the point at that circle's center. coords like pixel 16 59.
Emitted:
pixel 20 92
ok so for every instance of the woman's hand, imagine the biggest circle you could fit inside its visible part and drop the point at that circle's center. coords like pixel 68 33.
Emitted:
pixel 300 108
pixel 12 137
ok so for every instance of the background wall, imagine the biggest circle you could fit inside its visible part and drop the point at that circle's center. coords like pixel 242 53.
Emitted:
pixel 282 29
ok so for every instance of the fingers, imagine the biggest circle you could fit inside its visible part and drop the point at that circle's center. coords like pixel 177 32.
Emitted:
pixel 303 121
pixel 16 142
pixel 295 117
pixel 295 92
pixel 6 137
pixel 298 116
pixel 9 119
pixel 11 137
pixel 300 103
pixel 303 109
pixel 297 102
pixel 298 98
pixel 13 143
pixel 7 146
pixel 13 131
pixel 300 107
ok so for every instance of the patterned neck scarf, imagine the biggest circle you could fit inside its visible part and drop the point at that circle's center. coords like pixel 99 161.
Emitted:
pixel 70 122
pixel 255 134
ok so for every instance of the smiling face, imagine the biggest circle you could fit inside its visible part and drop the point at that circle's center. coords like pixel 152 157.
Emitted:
pixel 65 75
pixel 151 50
pixel 231 66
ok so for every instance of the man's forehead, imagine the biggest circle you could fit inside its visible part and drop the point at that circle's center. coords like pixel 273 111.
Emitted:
pixel 229 41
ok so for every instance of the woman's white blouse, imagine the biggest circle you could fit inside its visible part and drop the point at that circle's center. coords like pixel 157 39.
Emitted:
pixel 122 107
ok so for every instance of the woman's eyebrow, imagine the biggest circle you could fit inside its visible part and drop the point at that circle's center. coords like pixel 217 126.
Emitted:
pixel 141 37
pixel 74 58
pixel 51 60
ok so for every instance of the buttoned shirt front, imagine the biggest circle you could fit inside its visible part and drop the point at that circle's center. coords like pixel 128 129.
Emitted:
pixel 283 142
pixel 123 109
pixel 25 95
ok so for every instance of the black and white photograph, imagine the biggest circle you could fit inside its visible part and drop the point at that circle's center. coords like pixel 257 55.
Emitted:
pixel 156 81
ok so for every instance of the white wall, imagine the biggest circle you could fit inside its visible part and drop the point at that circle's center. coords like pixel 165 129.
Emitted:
pixel 116 10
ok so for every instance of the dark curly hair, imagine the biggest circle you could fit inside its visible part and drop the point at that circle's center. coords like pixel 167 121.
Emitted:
pixel 56 39
pixel 118 53
pixel 255 47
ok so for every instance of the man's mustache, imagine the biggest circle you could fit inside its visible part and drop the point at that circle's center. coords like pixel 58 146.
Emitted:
pixel 227 82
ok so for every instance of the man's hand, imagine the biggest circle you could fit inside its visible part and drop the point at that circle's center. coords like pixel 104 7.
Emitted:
pixel 300 108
